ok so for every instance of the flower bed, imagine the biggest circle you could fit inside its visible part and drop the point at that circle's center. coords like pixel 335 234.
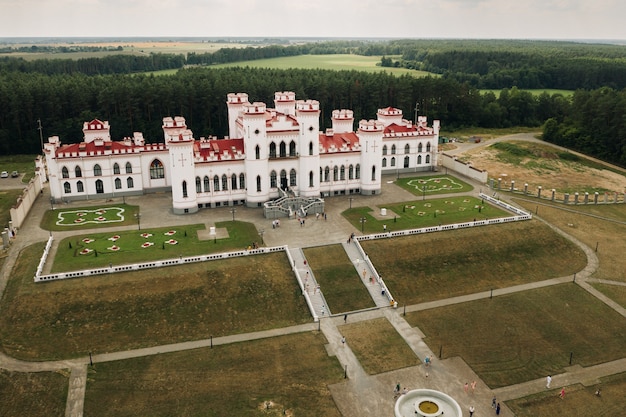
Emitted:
pixel 147 244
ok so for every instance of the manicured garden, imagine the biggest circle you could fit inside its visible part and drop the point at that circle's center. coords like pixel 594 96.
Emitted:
pixel 125 247
pixel 422 213
pixel 62 218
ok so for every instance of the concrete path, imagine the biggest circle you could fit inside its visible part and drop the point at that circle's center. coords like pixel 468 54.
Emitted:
pixel 360 394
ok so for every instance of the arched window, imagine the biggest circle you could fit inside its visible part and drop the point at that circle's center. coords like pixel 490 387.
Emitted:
pixel 407 148
pixel 67 188
pixel 272 150
pixel 216 183
pixel 78 172
pixel 342 173
pixel 373 172
pixel 258 183
pixel 116 168
pixel 310 178
pixel 273 179
pixel 130 183
pixel 242 181
pixel 419 159
pixel 207 184
pixel 129 168
pixel 292 178
pixel 80 187
pixel 257 152
pixel 384 162
pixel 224 182
pixel 65 173
pixel 351 172
pixel 283 150
pixel 321 175
pixel 118 183
pixel 385 150
pixel 419 147
pixel 335 173
pixel 326 174
pixel 358 171
pixel 97 170
pixel 393 149
pixel 283 179
pixel 428 159
pixel 292 148
pixel 393 161
pixel 198 185
pixel 99 187
pixel 233 182
pixel 310 148
pixel 185 189
pixel 156 170
pixel 406 161
pixel 427 146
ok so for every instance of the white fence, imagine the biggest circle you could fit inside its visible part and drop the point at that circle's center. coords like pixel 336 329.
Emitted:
pixel 147 265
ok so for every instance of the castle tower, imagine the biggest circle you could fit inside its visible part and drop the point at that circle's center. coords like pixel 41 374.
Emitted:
pixel 390 115
pixel 308 115
pixel 257 153
pixel 343 121
pixel 182 168
pixel 371 141
pixel 285 102
pixel 235 103
pixel 96 131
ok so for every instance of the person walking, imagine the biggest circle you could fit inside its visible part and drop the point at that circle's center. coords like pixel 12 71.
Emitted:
pixel 562 393
pixel 471 411
pixel 548 381
pixel 498 409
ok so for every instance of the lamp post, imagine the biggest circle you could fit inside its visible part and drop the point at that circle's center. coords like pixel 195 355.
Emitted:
pixel 424 192
pixel 52 203
pixel 351 198
pixel 362 220
pixel 233 211
pixel 261 232
pixel 138 217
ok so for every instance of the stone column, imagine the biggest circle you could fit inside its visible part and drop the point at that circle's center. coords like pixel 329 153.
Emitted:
pixel 499 183
pixel 575 198
pixel 606 197
pixel 566 198
pixel 586 198
pixel 512 186
pixel 539 192
pixel 595 198
pixel 525 188
pixel 553 193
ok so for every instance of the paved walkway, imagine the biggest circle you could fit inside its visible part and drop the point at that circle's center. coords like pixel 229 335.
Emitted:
pixel 360 394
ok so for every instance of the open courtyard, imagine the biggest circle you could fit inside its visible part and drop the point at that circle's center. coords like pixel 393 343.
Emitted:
pixel 502 305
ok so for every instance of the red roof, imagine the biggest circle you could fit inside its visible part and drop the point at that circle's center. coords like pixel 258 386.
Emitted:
pixel 218 146
pixel 349 139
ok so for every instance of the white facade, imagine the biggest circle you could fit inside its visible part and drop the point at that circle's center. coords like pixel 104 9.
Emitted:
pixel 266 149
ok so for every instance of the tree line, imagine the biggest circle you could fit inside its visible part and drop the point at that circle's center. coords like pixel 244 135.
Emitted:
pixel 139 102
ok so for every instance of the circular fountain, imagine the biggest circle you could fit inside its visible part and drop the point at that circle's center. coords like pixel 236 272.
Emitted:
pixel 427 403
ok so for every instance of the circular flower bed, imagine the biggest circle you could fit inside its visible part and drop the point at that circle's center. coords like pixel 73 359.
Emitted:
pixel 85 251
pixel 100 218
pixel 172 242
pixel 79 220
pixel 88 240
pixel 114 238
pixel 170 233
pixel 146 235
pixel 114 248
pixel 147 245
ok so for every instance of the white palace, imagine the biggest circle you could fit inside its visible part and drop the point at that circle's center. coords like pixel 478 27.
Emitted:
pixel 270 153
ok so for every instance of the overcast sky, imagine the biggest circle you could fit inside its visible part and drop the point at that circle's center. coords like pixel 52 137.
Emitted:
pixel 522 19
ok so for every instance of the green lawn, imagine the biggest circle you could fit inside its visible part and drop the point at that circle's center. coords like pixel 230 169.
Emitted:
pixel 434 266
pixel 337 62
pixel 336 274
pixel 519 337
pixel 8 198
pixel 94 250
pixel 38 394
pixel 378 346
pixel 107 313
pixel 24 164
pixel 292 372
pixel 434 185
pixel 62 218
pixel 422 213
